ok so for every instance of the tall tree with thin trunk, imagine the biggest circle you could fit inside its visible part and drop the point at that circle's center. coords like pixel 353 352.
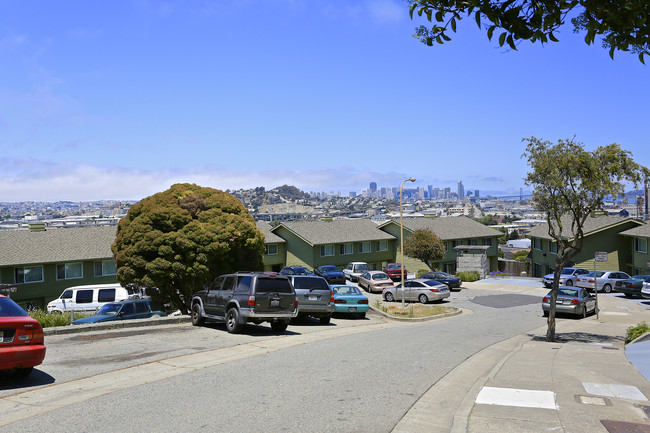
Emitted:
pixel 569 183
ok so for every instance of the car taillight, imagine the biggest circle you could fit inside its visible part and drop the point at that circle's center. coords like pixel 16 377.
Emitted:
pixel 251 301
pixel 331 296
pixel 340 301
pixel 545 299
pixel 363 301
pixel 618 284
pixel 575 301
pixel 34 336
pixel 296 303
pixel 433 290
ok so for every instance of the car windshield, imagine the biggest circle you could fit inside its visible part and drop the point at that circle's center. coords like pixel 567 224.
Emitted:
pixel 329 269
pixel 380 276
pixel 306 283
pixel 109 310
pixel 9 308
pixel 573 293
pixel 346 290
pixel 300 271
pixel 432 283
pixel 598 274
pixel 567 271
pixel 393 266
pixel 641 277
pixel 362 268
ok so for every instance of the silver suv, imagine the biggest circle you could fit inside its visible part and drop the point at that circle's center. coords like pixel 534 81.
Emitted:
pixel 315 298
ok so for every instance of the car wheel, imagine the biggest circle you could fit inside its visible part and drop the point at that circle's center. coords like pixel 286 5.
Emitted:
pixel 324 320
pixel 362 315
pixel 389 297
pixel 545 313
pixel 232 321
pixel 584 312
pixel 628 295
pixel 279 326
pixel 569 283
pixel 607 288
pixel 197 317
pixel 423 299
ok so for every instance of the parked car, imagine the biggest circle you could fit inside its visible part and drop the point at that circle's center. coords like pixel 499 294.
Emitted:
pixel 91 297
pixel 353 269
pixel 443 277
pixel 631 287
pixel 568 277
pixel 606 280
pixel 645 290
pixel 125 310
pixel 315 298
pixel 374 281
pixel 394 271
pixel 243 297
pixel 331 273
pixel 22 345
pixel 349 300
pixel 571 300
pixel 418 289
pixel 295 270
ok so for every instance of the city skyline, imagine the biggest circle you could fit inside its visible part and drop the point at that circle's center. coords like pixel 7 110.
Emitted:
pixel 121 100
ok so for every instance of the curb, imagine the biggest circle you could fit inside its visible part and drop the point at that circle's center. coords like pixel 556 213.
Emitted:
pixel 420 319
pixel 76 329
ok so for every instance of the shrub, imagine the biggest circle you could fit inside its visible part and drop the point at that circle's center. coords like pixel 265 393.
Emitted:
pixel 634 332
pixel 469 276
pixel 421 272
pixel 48 320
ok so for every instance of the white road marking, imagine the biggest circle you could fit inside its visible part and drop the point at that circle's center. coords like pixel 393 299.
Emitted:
pixel 612 390
pixel 517 397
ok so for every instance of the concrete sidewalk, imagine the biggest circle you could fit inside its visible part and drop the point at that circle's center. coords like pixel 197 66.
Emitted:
pixel 582 383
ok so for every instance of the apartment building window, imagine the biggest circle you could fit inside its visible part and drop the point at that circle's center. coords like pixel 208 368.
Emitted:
pixel 29 274
pixel 105 267
pixel 552 247
pixel 346 249
pixel 364 247
pixel 271 250
pixel 537 244
pixel 382 246
pixel 69 271
pixel 640 245
pixel 487 242
pixel 326 250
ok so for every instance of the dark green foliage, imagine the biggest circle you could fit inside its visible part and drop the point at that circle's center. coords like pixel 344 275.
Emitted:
pixel 289 192
pixel 179 240
pixel 424 245
pixel 634 332
pixel 623 24
pixel 469 276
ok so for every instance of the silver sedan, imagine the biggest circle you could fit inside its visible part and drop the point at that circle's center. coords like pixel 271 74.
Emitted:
pixel 421 290
pixel 606 280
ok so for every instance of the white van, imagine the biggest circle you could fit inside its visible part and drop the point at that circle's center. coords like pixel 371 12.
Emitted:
pixel 89 298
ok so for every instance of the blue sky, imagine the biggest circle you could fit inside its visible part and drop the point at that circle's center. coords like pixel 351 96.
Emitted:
pixel 121 99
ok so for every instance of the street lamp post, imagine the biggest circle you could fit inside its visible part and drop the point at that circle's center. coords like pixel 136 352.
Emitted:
pixel 401 234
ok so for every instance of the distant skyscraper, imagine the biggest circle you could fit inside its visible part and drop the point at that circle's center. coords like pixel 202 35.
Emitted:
pixel 461 190
pixel 430 191
pixel 476 194
pixel 353 193
pixel 447 192
pixel 373 186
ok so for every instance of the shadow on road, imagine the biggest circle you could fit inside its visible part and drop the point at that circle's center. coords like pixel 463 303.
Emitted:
pixel 9 380
pixel 582 337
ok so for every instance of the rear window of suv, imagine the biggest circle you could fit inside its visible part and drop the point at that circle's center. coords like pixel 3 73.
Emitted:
pixel 310 283
pixel 275 285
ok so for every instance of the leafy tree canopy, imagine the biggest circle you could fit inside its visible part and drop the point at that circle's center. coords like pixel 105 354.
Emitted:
pixel 569 183
pixel 622 24
pixel 181 239
pixel 426 246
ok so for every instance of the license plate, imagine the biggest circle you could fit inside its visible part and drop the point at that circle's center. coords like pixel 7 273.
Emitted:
pixel 313 298
pixel 352 309
pixel 275 303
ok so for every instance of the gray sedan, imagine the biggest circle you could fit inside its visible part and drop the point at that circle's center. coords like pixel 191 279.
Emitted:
pixel 570 300
pixel 421 290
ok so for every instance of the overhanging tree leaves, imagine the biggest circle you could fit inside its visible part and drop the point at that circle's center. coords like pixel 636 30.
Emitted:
pixel 426 246
pixel 569 184
pixel 622 24
pixel 181 239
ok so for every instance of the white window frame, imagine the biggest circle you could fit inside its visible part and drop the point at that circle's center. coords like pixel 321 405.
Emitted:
pixel 326 250
pixel 382 245
pixel 65 271
pixel 552 247
pixel 637 247
pixel 28 268
pixel 104 273
pixel 268 251
pixel 346 249
pixel 365 247
pixel 537 244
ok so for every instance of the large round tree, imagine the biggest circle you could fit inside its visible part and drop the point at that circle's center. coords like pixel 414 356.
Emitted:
pixel 179 240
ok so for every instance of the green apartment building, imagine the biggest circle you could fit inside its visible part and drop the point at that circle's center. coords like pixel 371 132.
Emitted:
pixel 610 234
pixel 639 238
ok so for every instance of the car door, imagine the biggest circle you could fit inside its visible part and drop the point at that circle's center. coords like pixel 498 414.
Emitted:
pixel 408 290
pixel 212 295
pixel 590 301
pixel 224 295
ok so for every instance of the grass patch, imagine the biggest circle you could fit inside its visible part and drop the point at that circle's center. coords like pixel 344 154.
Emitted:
pixel 415 310
pixel 48 320
pixel 634 332
pixel 469 276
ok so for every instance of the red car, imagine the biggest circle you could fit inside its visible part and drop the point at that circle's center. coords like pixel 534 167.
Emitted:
pixel 393 271
pixel 21 339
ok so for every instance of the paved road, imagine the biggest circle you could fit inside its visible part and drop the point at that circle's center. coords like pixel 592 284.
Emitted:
pixel 354 375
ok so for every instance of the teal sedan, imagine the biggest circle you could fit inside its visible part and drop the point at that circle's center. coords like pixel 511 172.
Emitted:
pixel 349 300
